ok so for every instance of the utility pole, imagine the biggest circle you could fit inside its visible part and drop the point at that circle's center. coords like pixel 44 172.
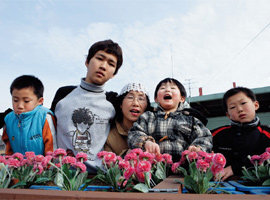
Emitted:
pixel 171 58
pixel 188 82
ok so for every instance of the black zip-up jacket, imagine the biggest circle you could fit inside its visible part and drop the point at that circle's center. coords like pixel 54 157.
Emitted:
pixel 237 141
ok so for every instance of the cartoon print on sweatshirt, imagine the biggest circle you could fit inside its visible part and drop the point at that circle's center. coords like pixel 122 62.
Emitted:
pixel 82 119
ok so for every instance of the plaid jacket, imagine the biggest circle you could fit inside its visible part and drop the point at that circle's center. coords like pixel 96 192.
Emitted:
pixel 174 132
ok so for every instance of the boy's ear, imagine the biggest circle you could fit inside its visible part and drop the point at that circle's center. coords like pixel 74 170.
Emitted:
pixel 257 105
pixel 182 99
pixel 40 101
pixel 86 64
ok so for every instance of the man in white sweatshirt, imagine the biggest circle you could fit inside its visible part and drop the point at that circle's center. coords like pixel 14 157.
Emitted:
pixel 83 113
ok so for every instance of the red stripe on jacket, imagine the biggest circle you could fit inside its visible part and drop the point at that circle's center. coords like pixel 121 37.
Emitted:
pixel 264 131
pixel 220 129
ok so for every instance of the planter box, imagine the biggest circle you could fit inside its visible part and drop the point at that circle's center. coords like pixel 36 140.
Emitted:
pixel 241 187
pixel 88 188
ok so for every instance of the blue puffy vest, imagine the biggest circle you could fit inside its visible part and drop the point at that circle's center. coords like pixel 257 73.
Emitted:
pixel 25 130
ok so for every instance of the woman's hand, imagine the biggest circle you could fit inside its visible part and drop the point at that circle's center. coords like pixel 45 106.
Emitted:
pixel 227 172
pixel 152 147
pixel 194 148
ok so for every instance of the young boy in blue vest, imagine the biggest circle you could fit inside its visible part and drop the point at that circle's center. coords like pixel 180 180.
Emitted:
pixel 245 136
pixel 30 126
pixel 83 113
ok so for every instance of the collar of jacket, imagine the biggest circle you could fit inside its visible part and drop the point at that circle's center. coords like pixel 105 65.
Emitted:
pixel 251 124
pixel 120 129
pixel 180 108
pixel 25 115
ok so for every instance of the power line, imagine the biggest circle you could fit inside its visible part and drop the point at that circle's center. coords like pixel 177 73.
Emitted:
pixel 239 52
pixel 252 40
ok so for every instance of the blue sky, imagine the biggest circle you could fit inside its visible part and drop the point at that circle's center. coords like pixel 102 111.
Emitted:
pixel 211 42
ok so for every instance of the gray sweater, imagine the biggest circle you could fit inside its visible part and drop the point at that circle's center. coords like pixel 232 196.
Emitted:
pixel 83 122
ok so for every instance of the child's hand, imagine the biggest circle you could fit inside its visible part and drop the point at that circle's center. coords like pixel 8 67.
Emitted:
pixel 194 148
pixel 227 172
pixel 152 147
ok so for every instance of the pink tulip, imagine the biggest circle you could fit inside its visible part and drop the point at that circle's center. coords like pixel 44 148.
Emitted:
pixel 59 152
pixel 69 160
pixel 219 160
pixel 123 164
pixel 146 156
pixel 202 165
pixel 82 157
pixel 175 166
pixel 192 156
pixel 18 156
pixel 138 151
pixel 167 158
pixel 81 166
pixel 255 159
pixel 129 172
pixel 144 166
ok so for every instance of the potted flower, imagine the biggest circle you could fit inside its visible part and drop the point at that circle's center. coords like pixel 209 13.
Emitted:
pixel 201 167
pixel 256 177
pixel 138 171
pixel 5 174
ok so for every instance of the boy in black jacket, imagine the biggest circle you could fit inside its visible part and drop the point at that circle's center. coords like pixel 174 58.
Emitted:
pixel 245 136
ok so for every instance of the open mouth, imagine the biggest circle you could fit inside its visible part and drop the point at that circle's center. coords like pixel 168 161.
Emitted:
pixel 134 111
pixel 167 97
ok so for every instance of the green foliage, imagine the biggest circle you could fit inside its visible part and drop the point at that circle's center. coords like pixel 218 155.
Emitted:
pixel 113 177
pixel 196 181
pixel 141 187
pixel 45 177
pixel 259 174
pixel 69 179
pixel 25 175
pixel 5 176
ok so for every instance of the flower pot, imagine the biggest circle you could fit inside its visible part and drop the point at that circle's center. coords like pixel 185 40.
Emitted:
pixel 44 187
pixel 258 191
pixel 98 188
pixel 240 186
pixel 88 188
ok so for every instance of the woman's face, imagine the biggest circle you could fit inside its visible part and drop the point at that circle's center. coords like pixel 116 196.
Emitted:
pixel 133 105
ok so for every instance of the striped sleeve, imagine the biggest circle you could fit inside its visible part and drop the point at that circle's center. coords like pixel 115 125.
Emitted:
pixel 8 149
pixel 49 134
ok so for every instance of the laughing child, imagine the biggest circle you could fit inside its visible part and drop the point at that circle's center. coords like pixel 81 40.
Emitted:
pixel 169 129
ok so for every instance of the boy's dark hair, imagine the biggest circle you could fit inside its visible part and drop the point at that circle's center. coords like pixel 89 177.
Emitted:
pixel 118 103
pixel 176 82
pixel 233 91
pixel 109 47
pixel 28 81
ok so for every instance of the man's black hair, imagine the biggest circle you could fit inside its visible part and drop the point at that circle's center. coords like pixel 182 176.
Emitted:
pixel 109 47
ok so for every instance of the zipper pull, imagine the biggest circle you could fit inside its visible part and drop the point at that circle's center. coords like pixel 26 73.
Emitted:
pixel 166 115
